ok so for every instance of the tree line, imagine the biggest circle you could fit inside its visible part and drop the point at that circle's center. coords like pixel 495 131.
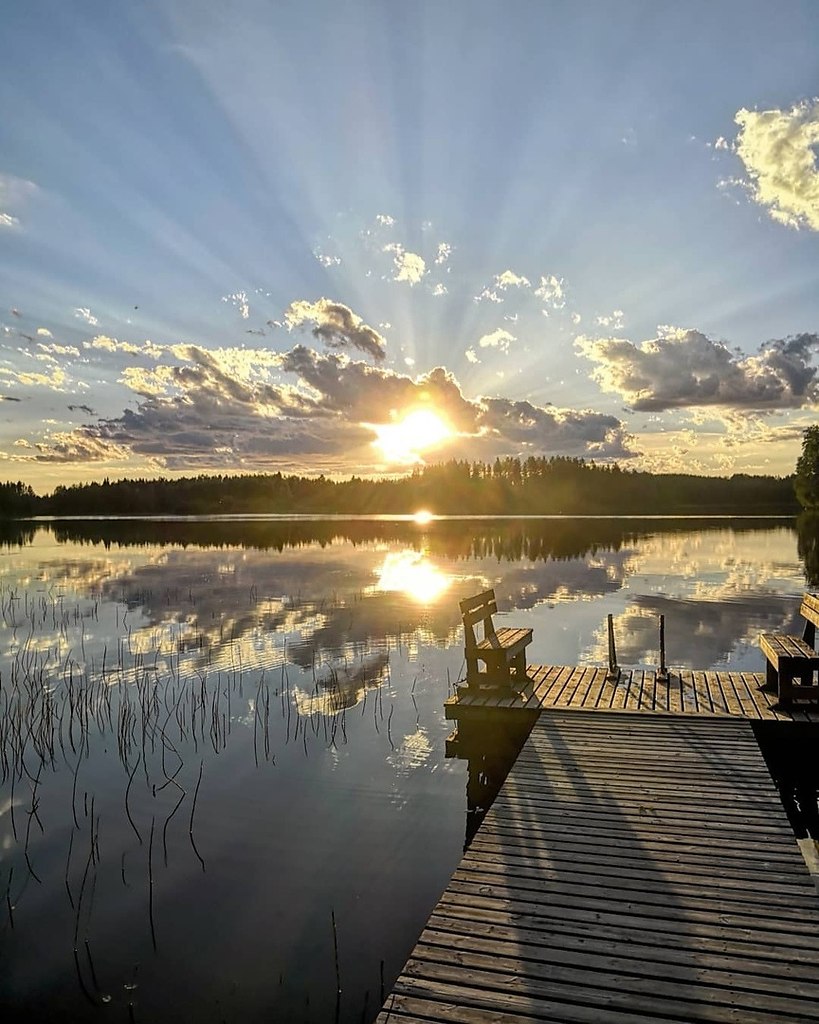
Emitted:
pixel 509 486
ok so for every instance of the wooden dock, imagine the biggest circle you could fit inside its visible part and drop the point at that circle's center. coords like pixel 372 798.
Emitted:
pixel 589 688
pixel 633 868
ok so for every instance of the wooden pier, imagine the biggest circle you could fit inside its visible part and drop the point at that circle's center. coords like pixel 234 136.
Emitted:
pixel 637 864
pixel 590 688
pixel 634 867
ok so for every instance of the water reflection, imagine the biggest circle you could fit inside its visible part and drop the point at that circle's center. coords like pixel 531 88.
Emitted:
pixel 413 574
pixel 808 532
pixel 261 700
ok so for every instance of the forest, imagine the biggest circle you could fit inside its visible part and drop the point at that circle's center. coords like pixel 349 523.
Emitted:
pixel 510 486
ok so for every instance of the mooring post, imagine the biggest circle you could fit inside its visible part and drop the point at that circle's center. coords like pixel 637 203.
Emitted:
pixel 662 674
pixel 614 671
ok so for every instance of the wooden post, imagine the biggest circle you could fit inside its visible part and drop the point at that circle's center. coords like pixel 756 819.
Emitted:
pixel 662 674
pixel 614 671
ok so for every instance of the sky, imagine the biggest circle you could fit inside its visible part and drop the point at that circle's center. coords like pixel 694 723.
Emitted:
pixel 358 237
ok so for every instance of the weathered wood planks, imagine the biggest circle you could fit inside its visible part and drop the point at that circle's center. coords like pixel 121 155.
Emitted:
pixel 633 867
pixel 588 688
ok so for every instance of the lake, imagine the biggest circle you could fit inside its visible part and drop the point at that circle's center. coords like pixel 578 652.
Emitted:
pixel 224 790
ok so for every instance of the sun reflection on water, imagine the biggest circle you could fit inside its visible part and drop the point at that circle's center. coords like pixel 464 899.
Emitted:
pixel 412 573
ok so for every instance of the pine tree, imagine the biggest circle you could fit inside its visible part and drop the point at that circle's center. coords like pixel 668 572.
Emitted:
pixel 806 482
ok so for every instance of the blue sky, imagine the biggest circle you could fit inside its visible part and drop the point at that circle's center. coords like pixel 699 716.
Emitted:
pixel 352 237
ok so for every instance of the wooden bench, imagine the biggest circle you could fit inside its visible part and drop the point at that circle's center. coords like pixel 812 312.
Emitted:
pixel 503 650
pixel 792 657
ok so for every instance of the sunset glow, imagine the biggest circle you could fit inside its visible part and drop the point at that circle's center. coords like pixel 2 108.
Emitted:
pixel 405 441
pixel 457 231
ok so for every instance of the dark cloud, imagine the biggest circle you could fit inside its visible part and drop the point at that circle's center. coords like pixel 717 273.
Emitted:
pixel 681 368
pixel 336 325
pixel 10 398
pixel 559 431
pixel 82 408
pixel 230 409
pixel 369 393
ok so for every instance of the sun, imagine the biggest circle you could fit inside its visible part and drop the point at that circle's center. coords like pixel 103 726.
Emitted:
pixel 415 433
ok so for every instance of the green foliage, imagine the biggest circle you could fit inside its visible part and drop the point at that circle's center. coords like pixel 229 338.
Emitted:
pixel 806 482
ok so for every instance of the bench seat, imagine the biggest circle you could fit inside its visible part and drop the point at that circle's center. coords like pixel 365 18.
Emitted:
pixel 791 657
pixel 502 651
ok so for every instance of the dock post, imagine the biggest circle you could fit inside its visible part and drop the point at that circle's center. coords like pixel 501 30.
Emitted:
pixel 662 673
pixel 614 671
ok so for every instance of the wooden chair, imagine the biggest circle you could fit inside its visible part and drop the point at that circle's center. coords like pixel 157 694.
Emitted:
pixel 503 651
pixel 792 657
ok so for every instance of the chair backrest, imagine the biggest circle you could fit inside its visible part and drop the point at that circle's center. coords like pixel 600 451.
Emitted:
pixel 476 609
pixel 810 613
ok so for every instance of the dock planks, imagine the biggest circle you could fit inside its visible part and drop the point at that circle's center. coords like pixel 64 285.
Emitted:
pixel 632 868
pixel 585 688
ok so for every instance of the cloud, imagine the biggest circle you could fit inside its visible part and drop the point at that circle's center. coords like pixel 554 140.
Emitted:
pixel 385 220
pixel 84 313
pixel 684 368
pixel 7 221
pixel 497 339
pixel 440 289
pixel 471 356
pixel 44 332
pixel 239 300
pixel 60 350
pixel 56 380
pixel 778 149
pixel 509 279
pixel 203 410
pixel 77 447
pixel 501 283
pixel 559 431
pixel 336 325
pixel 614 320
pixel 443 253
pixel 409 266
pixel 551 291
pixel 325 260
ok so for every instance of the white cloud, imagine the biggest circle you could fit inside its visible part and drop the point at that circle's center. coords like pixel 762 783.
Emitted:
pixel 385 220
pixel 443 253
pixel 409 266
pixel 509 279
pixel 471 356
pixel 440 289
pixel 7 221
pixel 684 368
pixel 497 339
pixel 44 332
pixel 778 149
pixel 84 313
pixel 503 282
pixel 325 260
pixel 239 300
pixel 551 291
pixel 614 320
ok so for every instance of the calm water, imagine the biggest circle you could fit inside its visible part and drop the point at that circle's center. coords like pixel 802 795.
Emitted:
pixel 224 791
